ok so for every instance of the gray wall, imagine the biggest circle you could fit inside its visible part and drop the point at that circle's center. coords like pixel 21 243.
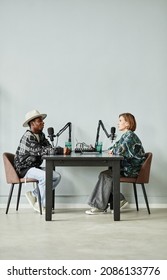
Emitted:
pixel 81 61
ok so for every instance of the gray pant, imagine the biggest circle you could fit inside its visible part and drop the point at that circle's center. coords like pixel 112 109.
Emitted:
pixel 103 191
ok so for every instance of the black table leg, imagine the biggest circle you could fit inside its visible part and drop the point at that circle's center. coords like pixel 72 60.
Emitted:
pixel 48 191
pixel 116 190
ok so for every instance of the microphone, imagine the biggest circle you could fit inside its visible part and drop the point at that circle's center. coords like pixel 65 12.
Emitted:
pixel 113 136
pixel 51 135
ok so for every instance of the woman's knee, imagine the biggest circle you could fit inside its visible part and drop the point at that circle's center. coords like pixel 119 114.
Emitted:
pixel 105 173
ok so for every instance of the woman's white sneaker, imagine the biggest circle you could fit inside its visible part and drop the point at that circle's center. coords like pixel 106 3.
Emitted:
pixel 123 204
pixel 95 211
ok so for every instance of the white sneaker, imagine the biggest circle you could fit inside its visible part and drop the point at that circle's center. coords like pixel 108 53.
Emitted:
pixel 36 207
pixel 31 199
pixel 123 204
pixel 95 211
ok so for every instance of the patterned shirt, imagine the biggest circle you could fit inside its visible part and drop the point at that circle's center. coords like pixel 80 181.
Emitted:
pixel 130 147
pixel 30 151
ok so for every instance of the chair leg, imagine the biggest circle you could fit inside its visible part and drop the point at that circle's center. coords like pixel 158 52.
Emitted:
pixel 39 199
pixel 135 194
pixel 18 196
pixel 9 198
pixel 145 197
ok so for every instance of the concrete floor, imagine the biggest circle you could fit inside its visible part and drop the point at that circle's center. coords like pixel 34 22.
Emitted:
pixel 74 235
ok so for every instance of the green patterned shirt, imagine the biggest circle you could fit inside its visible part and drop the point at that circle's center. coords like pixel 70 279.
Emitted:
pixel 130 147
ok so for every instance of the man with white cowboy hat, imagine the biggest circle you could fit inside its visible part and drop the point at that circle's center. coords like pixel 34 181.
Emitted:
pixel 28 159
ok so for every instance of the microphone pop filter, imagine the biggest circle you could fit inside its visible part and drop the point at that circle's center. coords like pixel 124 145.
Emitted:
pixel 113 136
pixel 50 130
pixel 113 129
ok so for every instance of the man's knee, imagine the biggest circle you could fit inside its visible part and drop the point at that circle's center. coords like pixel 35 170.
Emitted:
pixel 56 176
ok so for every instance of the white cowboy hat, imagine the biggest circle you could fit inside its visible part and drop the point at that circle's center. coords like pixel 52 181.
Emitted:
pixel 33 115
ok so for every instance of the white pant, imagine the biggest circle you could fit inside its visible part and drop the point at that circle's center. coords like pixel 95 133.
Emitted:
pixel 40 174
